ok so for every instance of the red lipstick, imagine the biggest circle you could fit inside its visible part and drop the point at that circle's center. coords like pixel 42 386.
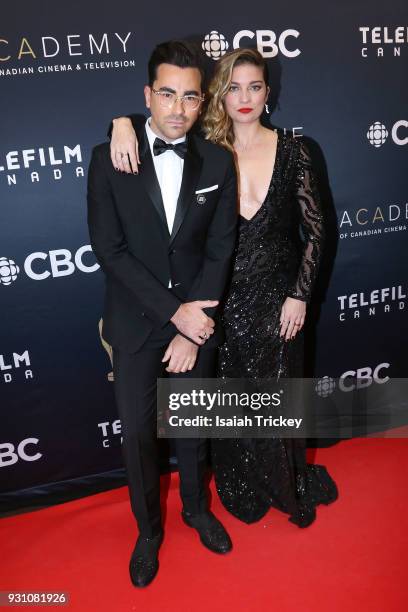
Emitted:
pixel 245 110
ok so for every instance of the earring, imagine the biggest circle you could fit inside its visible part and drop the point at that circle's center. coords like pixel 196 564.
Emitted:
pixel 267 108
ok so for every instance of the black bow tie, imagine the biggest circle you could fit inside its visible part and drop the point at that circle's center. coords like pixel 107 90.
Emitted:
pixel 159 147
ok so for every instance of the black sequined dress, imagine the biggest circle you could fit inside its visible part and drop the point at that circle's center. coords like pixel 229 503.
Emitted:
pixel 273 260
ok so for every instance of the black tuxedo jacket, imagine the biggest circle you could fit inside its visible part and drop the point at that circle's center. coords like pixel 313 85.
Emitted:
pixel 131 241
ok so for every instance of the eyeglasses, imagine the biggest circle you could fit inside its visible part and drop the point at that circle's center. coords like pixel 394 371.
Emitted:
pixel 167 99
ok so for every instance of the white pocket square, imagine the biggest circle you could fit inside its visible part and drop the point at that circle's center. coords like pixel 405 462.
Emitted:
pixel 206 189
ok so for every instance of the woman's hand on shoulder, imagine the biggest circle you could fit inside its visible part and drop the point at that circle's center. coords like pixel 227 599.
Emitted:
pixel 124 147
pixel 292 318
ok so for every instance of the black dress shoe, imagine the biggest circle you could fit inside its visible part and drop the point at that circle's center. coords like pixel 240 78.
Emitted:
pixel 144 563
pixel 212 533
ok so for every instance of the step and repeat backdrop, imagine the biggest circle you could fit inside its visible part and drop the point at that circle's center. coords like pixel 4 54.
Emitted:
pixel 338 79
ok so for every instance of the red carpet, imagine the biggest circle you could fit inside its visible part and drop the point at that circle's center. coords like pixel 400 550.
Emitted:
pixel 354 556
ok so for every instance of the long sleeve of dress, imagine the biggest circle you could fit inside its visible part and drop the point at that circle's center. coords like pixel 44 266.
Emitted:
pixel 311 220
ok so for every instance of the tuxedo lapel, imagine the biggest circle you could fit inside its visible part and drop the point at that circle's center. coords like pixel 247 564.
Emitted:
pixel 147 174
pixel 191 173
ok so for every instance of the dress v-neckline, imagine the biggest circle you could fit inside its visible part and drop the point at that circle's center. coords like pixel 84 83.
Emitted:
pixel 269 186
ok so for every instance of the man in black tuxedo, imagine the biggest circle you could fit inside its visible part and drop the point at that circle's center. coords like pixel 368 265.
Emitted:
pixel 164 238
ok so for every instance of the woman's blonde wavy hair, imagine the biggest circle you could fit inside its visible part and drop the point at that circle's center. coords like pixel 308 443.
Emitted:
pixel 216 123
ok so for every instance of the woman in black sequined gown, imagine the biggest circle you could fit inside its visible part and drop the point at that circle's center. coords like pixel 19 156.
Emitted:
pixel 252 475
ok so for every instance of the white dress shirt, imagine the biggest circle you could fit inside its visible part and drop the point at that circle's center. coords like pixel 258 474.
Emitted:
pixel 169 172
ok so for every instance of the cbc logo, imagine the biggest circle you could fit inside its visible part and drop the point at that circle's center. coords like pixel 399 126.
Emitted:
pixel 325 386
pixel 363 377
pixel 268 43
pixel 377 133
pixel 60 264
pixel 9 271
pixel 353 379
pixel 9 454
pixel 215 45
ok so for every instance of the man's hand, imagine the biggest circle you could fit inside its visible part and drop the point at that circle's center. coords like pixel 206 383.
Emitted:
pixel 182 354
pixel 124 147
pixel 191 321
pixel 292 317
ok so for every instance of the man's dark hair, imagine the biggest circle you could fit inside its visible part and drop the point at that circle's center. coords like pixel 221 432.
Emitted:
pixel 176 52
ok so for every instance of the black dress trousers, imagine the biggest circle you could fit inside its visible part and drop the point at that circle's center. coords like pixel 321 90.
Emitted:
pixel 135 390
